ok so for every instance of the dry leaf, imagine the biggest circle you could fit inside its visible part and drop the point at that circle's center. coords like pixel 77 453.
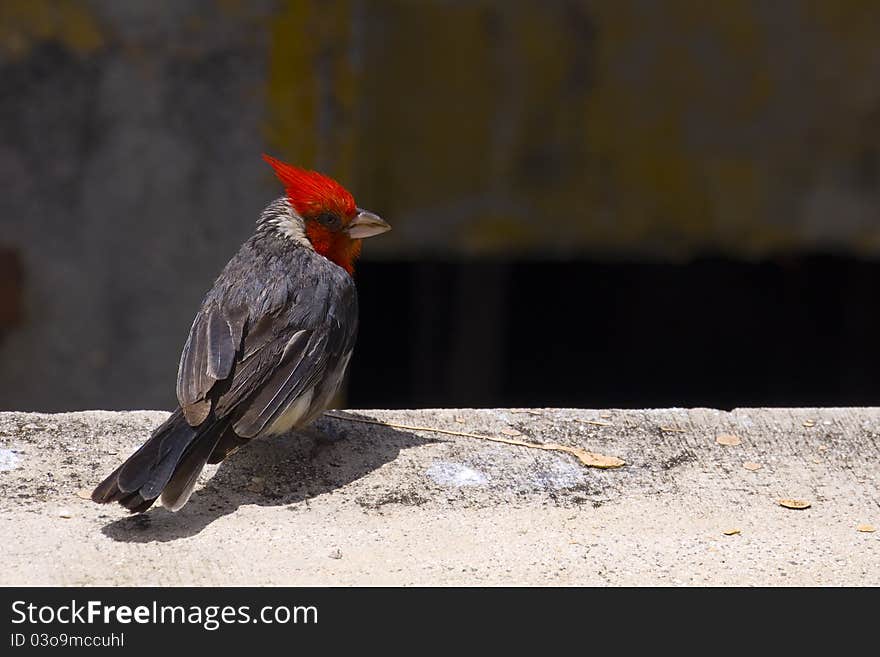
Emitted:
pixel 728 439
pixel 84 494
pixel 590 459
pixel 511 432
pixel 459 419
pixel 794 504
pixel 751 465
pixel 809 423
pixel 731 532
pixel 867 529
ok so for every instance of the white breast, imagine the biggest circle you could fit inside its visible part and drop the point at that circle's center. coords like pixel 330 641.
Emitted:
pixel 293 415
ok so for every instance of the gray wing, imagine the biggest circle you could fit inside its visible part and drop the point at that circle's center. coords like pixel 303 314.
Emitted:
pixel 266 334
pixel 208 356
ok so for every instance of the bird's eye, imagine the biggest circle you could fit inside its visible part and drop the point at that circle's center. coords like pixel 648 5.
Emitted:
pixel 330 220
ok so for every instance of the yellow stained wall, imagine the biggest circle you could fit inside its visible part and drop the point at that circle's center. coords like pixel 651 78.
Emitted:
pixel 637 128
pixel 660 129
pixel 26 22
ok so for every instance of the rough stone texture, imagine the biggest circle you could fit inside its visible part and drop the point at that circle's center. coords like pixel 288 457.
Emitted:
pixel 382 505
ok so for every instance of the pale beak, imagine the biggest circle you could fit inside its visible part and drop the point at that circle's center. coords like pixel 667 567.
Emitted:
pixel 366 224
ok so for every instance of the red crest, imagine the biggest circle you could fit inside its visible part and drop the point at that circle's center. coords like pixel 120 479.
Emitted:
pixel 312 193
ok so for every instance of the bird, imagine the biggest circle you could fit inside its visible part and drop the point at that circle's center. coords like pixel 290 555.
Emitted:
pixel 269 346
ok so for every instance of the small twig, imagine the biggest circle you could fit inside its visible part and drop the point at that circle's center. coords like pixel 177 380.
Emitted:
pixel 589 459
pixel 673 429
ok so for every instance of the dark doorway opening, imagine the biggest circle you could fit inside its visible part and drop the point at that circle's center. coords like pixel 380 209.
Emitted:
pixel 793 331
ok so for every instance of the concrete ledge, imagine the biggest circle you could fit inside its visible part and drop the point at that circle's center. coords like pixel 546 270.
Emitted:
pixel 390 506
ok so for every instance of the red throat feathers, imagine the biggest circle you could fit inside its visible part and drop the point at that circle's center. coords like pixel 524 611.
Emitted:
pixel 336 246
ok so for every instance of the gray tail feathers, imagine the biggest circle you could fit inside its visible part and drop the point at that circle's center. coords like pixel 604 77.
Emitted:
pixel 168 464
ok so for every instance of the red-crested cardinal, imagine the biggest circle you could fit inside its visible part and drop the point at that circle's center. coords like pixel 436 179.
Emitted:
pixel 269 346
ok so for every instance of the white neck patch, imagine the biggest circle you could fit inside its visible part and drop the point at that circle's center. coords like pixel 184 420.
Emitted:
pixel 281 216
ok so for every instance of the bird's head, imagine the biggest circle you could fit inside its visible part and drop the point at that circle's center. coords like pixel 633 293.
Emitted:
pixel 325 214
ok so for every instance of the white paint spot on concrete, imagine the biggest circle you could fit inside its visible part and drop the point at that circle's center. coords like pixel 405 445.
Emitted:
pixel 8 460
pixel 455 474
pixel 559 475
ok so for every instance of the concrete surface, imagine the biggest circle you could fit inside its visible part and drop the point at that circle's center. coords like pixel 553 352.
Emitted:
pixel 380 505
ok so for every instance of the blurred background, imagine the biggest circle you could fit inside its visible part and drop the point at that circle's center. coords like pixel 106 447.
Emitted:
pixel 626 204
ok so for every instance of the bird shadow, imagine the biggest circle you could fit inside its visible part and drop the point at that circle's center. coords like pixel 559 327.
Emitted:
pixel 278 471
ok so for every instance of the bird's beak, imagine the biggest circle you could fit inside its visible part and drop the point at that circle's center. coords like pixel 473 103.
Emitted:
pixel 366 224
